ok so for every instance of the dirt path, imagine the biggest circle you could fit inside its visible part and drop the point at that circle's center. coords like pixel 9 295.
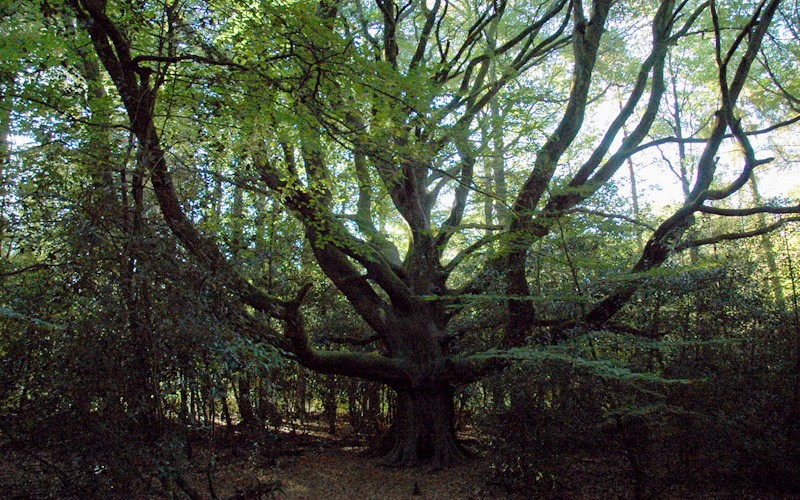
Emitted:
pixel 335 472
pixel 343 473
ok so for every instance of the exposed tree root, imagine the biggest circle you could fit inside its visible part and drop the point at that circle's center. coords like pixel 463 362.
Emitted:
pixel 422 434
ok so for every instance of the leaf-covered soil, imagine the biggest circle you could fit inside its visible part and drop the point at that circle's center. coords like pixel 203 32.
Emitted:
pixel 308 465
pixel 342 472
pixel 314 465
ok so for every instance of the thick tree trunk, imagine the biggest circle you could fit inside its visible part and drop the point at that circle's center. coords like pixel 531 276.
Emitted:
pixel 423 430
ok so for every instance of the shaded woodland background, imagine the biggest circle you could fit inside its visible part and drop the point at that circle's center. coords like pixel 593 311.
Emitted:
pixel 127 366
pixel 712 404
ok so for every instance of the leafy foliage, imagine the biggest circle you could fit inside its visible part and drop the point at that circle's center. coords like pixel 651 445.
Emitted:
pixel 709 411
pixel 459 183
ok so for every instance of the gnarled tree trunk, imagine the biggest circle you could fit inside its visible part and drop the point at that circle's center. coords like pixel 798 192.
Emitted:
pixel 423 429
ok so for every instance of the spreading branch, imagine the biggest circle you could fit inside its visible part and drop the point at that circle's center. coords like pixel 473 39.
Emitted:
pixel 713 240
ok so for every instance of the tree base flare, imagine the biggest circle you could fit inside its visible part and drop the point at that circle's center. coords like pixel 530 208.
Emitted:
pixel 423 432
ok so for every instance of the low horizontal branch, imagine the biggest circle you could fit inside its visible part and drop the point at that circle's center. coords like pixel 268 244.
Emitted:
pixel 698 140
pixel 735 236
pixel 186 58
pixel 464 370
pixel 609 215
pixel 743 212
pixel 367 366
pixel 354 341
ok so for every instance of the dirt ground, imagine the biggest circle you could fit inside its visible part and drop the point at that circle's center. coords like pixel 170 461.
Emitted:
pixel 314 465
pixel 344 473
pixel 310 464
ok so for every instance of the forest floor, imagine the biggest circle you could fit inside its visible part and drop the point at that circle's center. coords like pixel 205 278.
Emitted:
pixel 344 473
pixel 305 463
pixel 315 465
pixel 312 464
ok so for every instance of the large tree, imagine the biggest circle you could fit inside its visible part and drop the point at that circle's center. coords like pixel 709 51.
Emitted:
pixel 370 123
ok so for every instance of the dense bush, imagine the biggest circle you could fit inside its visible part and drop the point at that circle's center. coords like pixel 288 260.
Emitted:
pixel 711 406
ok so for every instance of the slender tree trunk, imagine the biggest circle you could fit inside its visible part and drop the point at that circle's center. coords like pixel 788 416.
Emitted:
pixel 488 186
pixel 685 175
pixel 767 247
pixel 184 405
pixel 496 158
pixel 374 405
pixel 498 162
pixel 193 407
pixel 212 409
pixel 6 105
pixel 226 411
pixel 302 400
pixel 245 404
pixel 141 386
pixel 634 193
pixel 126 211
pixel 330 404
pixel 355 416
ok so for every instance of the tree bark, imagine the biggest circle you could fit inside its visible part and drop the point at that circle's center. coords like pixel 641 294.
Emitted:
pixel 6 105
pixel 330 404
pixel 245 403
pixel 767 247
pixel 423 430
